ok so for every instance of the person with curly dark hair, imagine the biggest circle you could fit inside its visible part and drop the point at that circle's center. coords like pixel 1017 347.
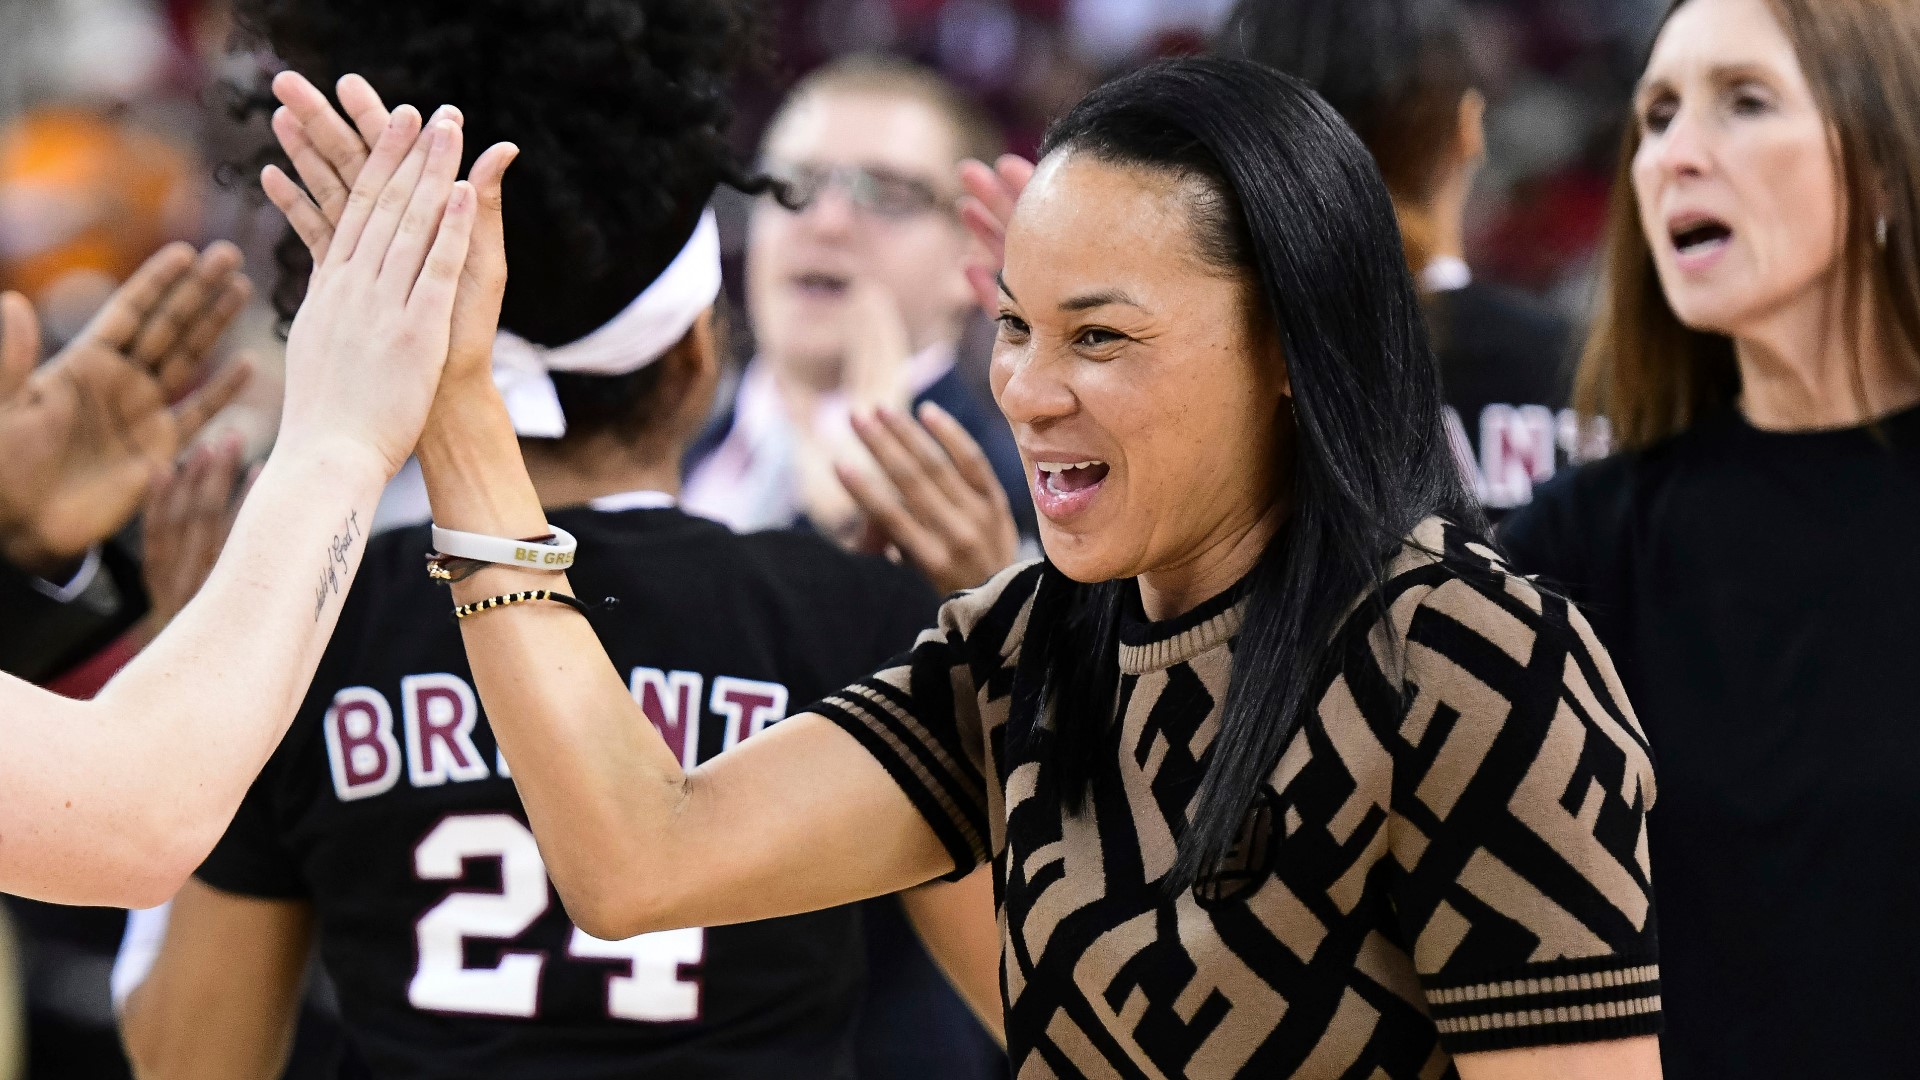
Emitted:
pixel 387 826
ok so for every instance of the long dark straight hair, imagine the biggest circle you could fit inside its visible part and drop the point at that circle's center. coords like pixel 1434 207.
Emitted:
pixel 1294 204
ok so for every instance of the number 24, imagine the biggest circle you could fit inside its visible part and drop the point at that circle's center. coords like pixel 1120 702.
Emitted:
pixel 656 989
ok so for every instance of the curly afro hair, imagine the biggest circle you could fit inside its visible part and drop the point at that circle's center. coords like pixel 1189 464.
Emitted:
pixel 620 109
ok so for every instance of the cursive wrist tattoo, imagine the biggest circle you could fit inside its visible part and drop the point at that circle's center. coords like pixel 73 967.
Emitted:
pixel 335 570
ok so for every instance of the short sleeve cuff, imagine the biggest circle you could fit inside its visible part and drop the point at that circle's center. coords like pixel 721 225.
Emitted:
pixel 1552 1004
pixel 860 711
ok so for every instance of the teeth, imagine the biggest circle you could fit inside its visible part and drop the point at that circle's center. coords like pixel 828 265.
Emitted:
pixel 1063 466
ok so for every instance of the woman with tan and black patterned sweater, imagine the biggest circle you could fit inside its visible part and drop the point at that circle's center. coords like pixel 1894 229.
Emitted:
pixel 1452 844
pixel 1281 772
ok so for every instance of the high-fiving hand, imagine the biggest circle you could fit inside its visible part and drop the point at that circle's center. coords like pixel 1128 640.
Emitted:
pixel 116 799
pixel 329 154
pixel 366 352
pixel 84 435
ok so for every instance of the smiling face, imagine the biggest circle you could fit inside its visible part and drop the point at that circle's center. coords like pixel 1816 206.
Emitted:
pixel 1141 385
pixel 901 233
pixel 1736 174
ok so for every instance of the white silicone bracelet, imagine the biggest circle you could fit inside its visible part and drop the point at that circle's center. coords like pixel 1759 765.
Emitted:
pixel 556 554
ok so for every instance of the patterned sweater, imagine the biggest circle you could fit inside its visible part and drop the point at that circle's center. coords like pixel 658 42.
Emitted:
pixel 1449 857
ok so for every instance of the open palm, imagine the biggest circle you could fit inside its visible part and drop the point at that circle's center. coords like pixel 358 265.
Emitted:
pixel 84 435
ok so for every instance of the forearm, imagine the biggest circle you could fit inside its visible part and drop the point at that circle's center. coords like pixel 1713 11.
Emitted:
pixel 1620 1059
pixel 957 924
pixel 796 819
pixel 223 998
pixel 114 801
pixel 166 1035
pixel 545 680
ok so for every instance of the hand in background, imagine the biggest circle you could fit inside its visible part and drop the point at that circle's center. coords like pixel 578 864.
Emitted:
pixel 936 499
pixel 873 377
pixel 986 208
pixel 185 524
pixel 84 435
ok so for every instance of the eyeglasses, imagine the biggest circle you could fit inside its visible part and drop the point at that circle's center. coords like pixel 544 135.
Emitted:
pixel 881 193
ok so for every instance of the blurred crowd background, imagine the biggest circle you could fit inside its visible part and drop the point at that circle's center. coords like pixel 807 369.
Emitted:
pixel 120 130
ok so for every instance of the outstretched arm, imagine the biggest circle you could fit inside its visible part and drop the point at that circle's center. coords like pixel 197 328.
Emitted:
pixel 115 800
pixel 798 818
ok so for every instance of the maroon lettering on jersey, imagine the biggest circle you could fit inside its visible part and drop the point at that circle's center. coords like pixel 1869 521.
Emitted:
pixel 671 699
pixel 746 706
pixel 361 750
pixel 1517 447
pixel 440 712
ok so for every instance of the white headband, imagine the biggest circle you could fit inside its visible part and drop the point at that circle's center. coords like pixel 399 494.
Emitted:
pixel 656 320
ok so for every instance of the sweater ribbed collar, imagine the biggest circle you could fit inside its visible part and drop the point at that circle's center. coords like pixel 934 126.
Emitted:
pixel 1155 646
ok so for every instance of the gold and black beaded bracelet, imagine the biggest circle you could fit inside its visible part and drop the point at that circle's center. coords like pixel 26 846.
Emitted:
pixel 506 599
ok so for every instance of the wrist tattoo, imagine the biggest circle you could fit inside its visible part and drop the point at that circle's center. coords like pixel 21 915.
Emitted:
pixel 335 570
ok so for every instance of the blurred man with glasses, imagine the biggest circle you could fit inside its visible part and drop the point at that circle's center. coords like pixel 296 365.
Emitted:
pixel 858 296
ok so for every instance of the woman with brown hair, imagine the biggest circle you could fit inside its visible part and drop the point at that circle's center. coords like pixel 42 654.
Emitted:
pixel 1748 559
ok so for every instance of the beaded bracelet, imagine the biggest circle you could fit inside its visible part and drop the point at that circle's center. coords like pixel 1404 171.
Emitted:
pixel 468 610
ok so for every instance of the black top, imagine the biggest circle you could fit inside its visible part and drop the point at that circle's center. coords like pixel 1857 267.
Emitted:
pixel 387 807
pixel 42 638
pixel 1506 365
pixel 1759 593
pixel 1448 856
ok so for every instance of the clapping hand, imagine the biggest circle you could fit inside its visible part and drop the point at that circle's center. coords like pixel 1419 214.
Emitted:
pixel 185 524
pixel 986 208
pixel 84 435
pixel 936 499
pixel 873 376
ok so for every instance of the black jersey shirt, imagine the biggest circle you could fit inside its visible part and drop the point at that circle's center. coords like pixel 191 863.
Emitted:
pixel 1506 368
pixel 390 810
pixel 1758 591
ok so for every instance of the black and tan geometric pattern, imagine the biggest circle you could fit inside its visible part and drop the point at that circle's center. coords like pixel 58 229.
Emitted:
pixel 1451 855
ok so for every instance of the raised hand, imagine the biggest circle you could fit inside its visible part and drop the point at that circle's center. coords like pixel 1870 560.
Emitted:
pixel 367 349
pixel 937 500
pixel 187 518
pixel 84 435
pixel 116 799
pixel 328 153
pixel 986 208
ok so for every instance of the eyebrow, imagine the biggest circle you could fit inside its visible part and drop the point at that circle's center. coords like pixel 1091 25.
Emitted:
pixel 1103 298
pixel 1724 73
